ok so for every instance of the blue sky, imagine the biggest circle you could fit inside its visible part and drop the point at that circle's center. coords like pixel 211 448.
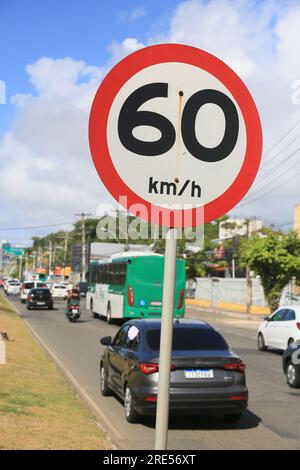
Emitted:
pixel 44 154
pixel 82 30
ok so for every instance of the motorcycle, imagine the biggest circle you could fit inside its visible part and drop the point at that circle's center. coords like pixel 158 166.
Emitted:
pixel 73 311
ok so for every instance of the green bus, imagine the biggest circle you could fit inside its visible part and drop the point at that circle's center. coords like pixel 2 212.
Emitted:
pixel 130 285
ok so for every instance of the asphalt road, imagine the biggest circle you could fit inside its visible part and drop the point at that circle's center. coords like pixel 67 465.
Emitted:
pixel 272 420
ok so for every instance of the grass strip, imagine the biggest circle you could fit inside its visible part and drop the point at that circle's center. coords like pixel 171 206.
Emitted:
pixel 38 409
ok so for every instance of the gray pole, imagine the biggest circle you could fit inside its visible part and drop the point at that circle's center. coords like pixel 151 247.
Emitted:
pixel 26 261
pixel 65 254
pixel 83 241
pixel 34 262
pixel 20 267
pixel 248 278
pixel 50 257
pixel 1 258
pixel 83 269
pixel 233 267
pixel 162 413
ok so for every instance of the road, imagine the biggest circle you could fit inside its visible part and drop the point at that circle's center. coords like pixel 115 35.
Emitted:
pixel 271 422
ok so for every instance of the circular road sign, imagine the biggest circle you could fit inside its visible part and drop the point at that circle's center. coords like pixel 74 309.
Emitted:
pixel 175 135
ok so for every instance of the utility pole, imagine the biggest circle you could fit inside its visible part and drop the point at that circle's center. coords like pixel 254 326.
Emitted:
pixel 1 258
pixel 20 267
pixel 34 262
pixel 39 258
pixel 248 278
pixel 83 242
pixel 50 257
pixel 26 261
pixel 65 253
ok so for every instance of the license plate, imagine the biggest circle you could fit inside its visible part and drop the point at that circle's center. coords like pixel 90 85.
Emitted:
pixel 199 374
pixel 40 303
pixel 74 310
pixel 155 303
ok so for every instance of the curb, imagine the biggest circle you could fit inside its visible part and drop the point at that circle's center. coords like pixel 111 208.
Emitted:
pixel 226 313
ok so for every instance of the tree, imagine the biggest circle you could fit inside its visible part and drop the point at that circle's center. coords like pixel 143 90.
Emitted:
pixel 275 257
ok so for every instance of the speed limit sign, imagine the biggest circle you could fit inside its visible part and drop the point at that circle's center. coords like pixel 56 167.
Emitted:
pixel 173 128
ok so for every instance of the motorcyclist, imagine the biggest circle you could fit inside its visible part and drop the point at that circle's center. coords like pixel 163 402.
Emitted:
pixel 74 294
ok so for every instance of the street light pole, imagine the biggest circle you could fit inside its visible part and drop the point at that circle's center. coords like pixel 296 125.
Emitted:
pixel 83 241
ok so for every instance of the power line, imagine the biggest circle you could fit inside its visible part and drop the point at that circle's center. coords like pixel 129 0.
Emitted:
pixel 261 177
pixel 274 177
pixel 270 191
pixel 282 137
pixel 36 226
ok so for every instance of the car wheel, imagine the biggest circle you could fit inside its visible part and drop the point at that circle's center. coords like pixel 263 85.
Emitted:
pixel 130 412
pixel 28 307
pixel 104 388
pixel 108 315
pixel 293 375
pixel 261 342
pixel 232 418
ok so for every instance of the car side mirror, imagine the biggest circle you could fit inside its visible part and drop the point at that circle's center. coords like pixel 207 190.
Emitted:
pixel 106 341
pixel 267 318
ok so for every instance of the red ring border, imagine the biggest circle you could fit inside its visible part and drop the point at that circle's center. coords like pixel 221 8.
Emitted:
pixel 103 100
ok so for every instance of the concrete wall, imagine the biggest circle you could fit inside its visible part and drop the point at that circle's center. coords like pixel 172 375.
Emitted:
pixel 229 294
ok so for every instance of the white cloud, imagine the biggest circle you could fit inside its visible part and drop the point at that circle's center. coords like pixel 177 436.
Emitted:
pixel 119 50
pixel 45 158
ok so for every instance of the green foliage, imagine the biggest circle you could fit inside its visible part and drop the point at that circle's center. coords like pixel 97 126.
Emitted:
pixel 275 258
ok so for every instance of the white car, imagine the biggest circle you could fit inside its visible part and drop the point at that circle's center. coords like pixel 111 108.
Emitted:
pixel 26 286
pixel 59 291
pixel 280 329
pixel 12 287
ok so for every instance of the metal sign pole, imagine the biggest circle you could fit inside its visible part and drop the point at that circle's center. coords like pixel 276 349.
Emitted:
pixel 162 413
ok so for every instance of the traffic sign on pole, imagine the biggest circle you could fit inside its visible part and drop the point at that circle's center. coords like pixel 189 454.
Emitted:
pixel 13 251
pixel 176 138
pixel 175 131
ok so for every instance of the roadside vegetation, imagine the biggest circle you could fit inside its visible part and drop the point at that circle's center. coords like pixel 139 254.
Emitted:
pixel 38 410
pixel 275 257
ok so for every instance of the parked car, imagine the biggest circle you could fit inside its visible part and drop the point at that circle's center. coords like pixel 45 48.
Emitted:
pixel 83 288
pixel 206 376
pixel 39 297
pixel 291 365
pixel 12 287
pixel 59 291
pixel 27 286
pixel 280 329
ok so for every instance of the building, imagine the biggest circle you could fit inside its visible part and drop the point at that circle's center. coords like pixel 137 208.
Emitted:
pixel 240 227
pixel 297 219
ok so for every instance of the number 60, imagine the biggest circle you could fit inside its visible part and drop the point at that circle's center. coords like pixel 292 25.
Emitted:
pixel 130 117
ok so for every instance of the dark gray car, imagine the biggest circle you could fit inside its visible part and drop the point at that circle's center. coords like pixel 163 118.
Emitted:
pixel 206 377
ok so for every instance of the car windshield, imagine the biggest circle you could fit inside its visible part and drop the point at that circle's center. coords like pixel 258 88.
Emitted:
pixel 189 339
pixel 59 287
pixel 28 285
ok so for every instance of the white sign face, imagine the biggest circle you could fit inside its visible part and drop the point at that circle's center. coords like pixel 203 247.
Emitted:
pixel 172 126
pixel 175 176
